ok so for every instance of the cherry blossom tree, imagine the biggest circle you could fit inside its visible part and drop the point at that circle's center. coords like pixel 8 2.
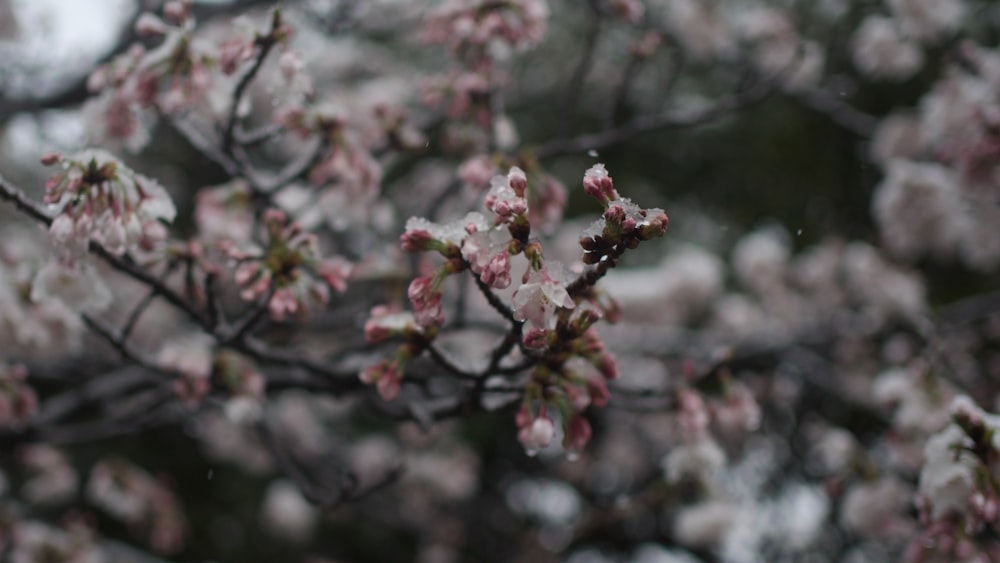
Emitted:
pixel 395 281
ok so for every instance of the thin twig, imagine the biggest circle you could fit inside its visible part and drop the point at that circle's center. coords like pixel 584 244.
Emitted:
pixel 646 124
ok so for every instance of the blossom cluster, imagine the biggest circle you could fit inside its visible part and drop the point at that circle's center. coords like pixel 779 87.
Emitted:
pixel 573 363
pixel 287 272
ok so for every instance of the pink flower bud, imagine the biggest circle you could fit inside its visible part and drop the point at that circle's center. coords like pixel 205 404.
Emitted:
pixel 536 338
pixel 48 159
pixel 387 378
pixel 335 272
pixel 416 240
pixel 282 303
pixel 598 390
pixel 608 367
pixel 577 434
pixel 598 185
pixel 497 271
pixel 517 180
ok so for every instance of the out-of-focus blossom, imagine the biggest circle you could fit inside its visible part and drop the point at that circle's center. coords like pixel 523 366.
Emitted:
pixel 97 198
pixel 928 20
pixel 286 514
pixel 18 401
pixel 880 51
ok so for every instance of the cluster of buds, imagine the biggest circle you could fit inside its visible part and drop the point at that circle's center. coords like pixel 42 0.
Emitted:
pixel 288 271
pixel 479 32
pixel 558 312
pixel 472 28
pixel 568 391
pixel 383 324
pixel 347 173
pixel 18 401
pixel 571 378
pixel 624 224
pixel 96 197
pixel 166 79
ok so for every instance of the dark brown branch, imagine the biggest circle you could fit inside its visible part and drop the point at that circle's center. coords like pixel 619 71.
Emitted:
pixel 840 112
pixel 265 43
pixel 647 124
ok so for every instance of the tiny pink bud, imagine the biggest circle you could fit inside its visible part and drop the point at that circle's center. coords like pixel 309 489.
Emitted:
pixel 536 338
pixel 517 180
pixel 417 240
pixel 577 435
pixel 48 159
pixel 598 185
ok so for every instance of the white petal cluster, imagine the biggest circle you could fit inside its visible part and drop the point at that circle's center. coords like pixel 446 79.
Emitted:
pixel 880 50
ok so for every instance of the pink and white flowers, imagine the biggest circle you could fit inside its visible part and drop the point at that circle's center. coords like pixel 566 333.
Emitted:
pixel 96 197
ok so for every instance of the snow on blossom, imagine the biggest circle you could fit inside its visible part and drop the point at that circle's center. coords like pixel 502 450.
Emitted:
pixel 383 323
pixel 419 232
pixel 506 197
pixel 487 253
pixel 543 292
pixel 599 185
